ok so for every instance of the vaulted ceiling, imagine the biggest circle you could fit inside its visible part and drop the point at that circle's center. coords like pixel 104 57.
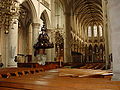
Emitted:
pixel 87 11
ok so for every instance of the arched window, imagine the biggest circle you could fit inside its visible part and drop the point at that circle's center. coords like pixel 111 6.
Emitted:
pixel 89 31
pixel 95 30
pixel 100 31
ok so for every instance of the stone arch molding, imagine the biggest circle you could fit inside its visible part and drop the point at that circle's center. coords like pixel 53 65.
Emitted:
pixel 33 7
pixel 45 13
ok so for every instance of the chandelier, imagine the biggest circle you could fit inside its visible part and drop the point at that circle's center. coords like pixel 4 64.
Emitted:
pixel 8 10
pixel 43 40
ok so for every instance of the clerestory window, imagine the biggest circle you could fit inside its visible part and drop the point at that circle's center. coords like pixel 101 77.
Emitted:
pixel 100 31
pixel 95 30
pixel 89 31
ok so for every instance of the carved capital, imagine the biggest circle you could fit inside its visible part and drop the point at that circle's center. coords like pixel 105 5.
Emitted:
pixel 36 25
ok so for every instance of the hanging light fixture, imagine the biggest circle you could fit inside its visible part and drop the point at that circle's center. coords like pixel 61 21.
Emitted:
pixel 43 40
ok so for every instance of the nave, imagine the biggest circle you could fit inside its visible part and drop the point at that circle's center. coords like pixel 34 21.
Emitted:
pixel 68 32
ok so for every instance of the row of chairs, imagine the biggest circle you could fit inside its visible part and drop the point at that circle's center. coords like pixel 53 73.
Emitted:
pixel 15 72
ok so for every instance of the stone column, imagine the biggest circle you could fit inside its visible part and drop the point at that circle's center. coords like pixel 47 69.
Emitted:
pixel 36 29
pixel 53 53
pixel 114 14
pixel 28 58
pixel 13 42
pixel 48 51
pixel 5 54
pixel 67 39
pixel 53 25
pixel 106 31
pixel 30 39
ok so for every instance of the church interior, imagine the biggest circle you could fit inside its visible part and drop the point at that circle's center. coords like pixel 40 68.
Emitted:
pixel 59 45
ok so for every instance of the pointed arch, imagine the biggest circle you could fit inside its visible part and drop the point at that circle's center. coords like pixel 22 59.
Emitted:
pixel 96 48
pixel 33 10
pixel 90 47
pixel 102 47
pixel 44 16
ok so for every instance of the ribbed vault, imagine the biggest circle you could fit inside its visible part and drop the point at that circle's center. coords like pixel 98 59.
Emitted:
pixel 87 11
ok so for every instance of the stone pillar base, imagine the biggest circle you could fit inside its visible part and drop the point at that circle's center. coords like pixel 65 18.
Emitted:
pixel 116 77
pixel 12 64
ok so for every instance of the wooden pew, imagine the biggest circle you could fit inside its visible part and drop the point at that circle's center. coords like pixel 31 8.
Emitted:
pixel 9 72
pixel 12 72
pixel 41 81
